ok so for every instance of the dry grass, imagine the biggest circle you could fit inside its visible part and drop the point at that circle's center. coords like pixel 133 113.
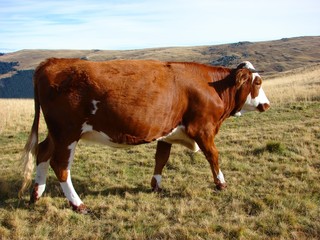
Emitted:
pixel 271 163
pixel 303 85
pixel 13 112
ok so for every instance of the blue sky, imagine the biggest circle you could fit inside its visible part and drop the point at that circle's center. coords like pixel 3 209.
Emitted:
pixel 132 24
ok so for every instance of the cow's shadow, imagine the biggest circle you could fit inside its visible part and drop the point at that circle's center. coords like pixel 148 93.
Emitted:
pixel 9 191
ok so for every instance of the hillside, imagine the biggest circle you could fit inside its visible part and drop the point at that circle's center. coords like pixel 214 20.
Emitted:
pixel 273 57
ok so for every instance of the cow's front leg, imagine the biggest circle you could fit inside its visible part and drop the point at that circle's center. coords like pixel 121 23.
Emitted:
pixel 162 156
pixel 212 157
pixel 205 140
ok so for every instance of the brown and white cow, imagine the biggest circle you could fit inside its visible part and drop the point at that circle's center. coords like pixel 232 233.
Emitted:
pixel 129 102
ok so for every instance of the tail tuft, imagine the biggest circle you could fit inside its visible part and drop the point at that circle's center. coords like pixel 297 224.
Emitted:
pixel 28 153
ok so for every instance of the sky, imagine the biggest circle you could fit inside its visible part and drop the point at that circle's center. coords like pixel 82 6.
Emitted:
pixel 136 24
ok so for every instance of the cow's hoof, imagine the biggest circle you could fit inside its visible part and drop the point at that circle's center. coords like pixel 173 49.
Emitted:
pixel 221 186
pixel 157 189
pixel 82 209
pixel 155 186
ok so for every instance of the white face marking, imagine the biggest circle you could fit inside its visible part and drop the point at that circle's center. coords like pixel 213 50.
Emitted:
pixel 95 107
pixel 251 104
pixel 248 64
pixel 221 177
pixel 41 177
pixel 179 136
pixel 262 97
pixel 70 192
pixel 158 179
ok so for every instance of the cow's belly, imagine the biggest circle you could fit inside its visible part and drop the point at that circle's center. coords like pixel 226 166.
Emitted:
pixel 102 138
pixel 91 135
pixel 177 136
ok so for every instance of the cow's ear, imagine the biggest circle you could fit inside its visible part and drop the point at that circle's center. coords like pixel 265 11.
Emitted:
pixel 242 75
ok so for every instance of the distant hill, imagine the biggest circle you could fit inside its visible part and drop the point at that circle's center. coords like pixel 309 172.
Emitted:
pixel 16 69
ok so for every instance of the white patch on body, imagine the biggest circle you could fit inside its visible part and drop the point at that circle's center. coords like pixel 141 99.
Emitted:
pixel 158 178
pixel 41 177
pixel 176 136
pixel 221 177
pixel 179 136
pixel 72 148
pixel 91 135
pixel 86 128
pixel 70 192
pixel 95 107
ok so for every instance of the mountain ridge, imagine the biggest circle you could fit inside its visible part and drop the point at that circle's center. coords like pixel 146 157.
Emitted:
pixel 273 57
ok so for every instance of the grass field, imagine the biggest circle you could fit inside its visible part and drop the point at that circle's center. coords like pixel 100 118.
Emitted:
pixel 271 163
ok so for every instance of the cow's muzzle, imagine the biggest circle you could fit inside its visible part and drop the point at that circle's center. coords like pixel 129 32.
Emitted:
pixel 263 107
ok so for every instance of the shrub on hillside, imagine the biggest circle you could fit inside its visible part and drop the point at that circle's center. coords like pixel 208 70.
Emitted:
pixel 17 86
pixel 6 67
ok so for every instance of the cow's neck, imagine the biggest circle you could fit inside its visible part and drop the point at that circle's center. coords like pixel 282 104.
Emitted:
pixel 225 87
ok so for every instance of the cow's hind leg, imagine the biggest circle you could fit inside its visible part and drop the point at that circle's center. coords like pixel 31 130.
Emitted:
pixel 61 162
pixel 162 156
pixel 44 153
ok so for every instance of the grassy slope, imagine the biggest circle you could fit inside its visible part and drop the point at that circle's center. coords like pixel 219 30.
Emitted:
pixel 271 163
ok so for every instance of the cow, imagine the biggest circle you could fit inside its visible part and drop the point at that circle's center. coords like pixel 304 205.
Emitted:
pixel 124 103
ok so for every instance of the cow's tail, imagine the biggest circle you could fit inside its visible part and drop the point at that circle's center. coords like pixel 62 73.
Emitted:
pixel 30 149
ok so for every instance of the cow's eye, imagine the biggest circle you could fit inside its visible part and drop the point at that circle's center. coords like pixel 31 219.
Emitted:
pixel 258 81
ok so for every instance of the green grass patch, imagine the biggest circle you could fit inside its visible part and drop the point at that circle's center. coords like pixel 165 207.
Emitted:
pixel 275 147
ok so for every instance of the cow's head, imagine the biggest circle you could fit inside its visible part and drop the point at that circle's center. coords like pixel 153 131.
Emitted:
pixel 256 99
